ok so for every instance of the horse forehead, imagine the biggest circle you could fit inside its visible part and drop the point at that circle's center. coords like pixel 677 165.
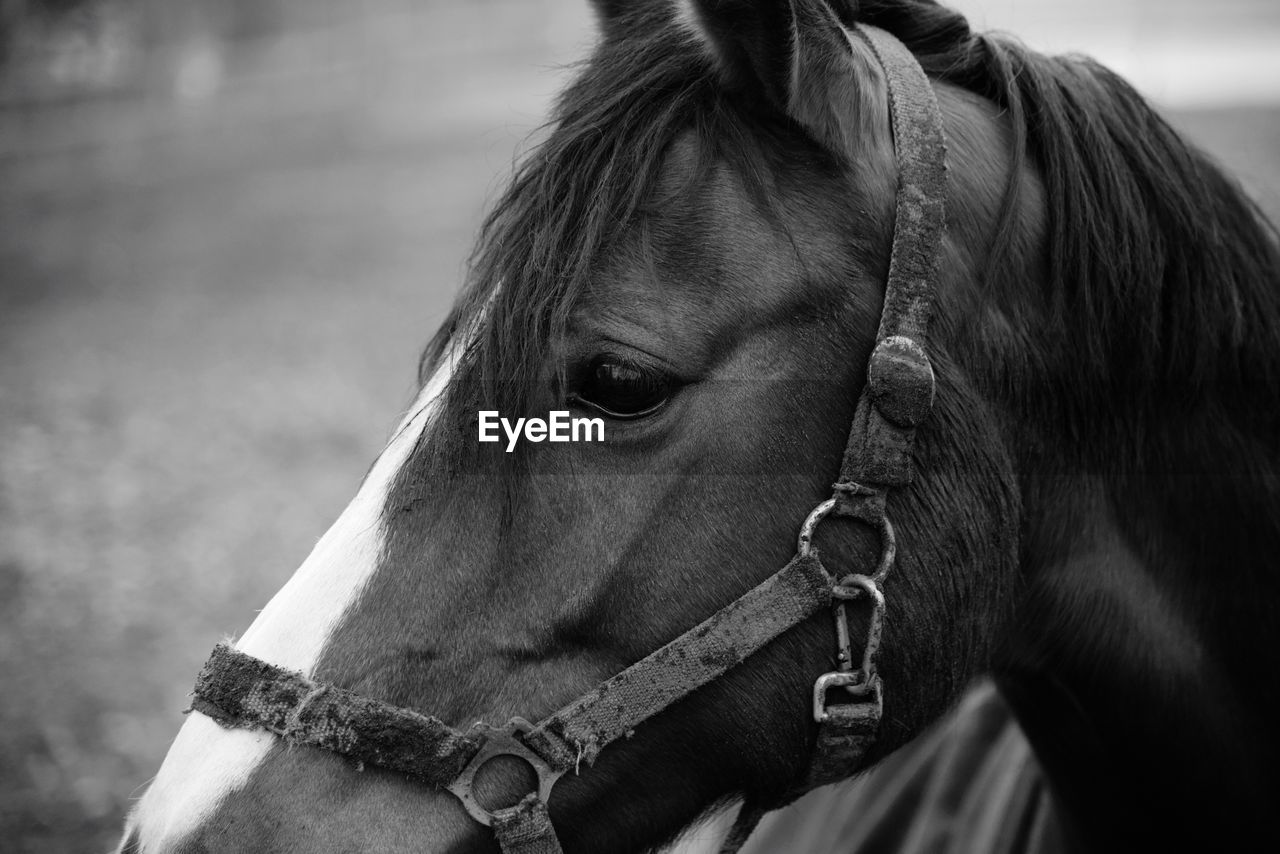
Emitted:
pixel 206 762
pixel 714 250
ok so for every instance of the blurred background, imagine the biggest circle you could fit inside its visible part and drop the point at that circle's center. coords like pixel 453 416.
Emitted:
pixel 226 229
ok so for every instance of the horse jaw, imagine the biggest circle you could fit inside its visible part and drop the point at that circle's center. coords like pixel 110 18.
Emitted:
pixel 206 762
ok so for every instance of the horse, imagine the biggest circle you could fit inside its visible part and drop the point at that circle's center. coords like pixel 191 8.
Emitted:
pixel 697 254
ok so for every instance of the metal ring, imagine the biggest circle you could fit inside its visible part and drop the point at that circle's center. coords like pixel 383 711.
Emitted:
pixel 888 538
pixel 804 543
pixel 856 585
pixel 888 550
pixel 502 742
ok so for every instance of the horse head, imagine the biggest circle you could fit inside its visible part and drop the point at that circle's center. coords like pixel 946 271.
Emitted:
pixel 696 255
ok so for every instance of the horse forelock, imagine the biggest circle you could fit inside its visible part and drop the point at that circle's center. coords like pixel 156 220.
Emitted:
pixel 590 184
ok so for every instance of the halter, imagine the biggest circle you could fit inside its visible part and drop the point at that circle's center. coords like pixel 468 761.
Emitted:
pixel 238 690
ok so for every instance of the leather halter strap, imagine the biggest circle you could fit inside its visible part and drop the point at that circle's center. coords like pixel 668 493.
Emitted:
pixel 900 381
pixel 241 691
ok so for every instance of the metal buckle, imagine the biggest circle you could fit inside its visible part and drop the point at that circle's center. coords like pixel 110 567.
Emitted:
pixel 501 741
pixel 864 680
pixel 872 689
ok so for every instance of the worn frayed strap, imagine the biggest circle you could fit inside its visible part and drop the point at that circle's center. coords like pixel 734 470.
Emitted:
pixel 900 380
pixel 920 213
pixel 526 828
pixel 843 740
pixel 879 451
pixel 238 690
pixel 574 735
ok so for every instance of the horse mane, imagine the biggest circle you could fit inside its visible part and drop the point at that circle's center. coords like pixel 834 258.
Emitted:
pixel 577 192
pixel 1161 272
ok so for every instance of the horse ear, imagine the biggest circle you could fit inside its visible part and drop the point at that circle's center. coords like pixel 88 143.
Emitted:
pixel 797 55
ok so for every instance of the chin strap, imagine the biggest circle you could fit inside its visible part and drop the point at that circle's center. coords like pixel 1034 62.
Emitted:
pixel 238 690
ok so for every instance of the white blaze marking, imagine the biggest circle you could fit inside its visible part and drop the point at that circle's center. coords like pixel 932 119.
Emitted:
pixel 707 834
pixel 206 762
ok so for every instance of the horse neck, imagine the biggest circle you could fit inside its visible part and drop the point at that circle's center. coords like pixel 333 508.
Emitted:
pixel 1141 662
pixel 1143 644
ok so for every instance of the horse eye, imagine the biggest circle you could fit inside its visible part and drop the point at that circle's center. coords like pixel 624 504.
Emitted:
pixel 623 389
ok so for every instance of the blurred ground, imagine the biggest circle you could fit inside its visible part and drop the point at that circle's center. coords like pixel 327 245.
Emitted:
pixel 222 243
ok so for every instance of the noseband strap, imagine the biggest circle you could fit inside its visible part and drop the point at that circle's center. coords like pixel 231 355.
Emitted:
pixel 238 690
